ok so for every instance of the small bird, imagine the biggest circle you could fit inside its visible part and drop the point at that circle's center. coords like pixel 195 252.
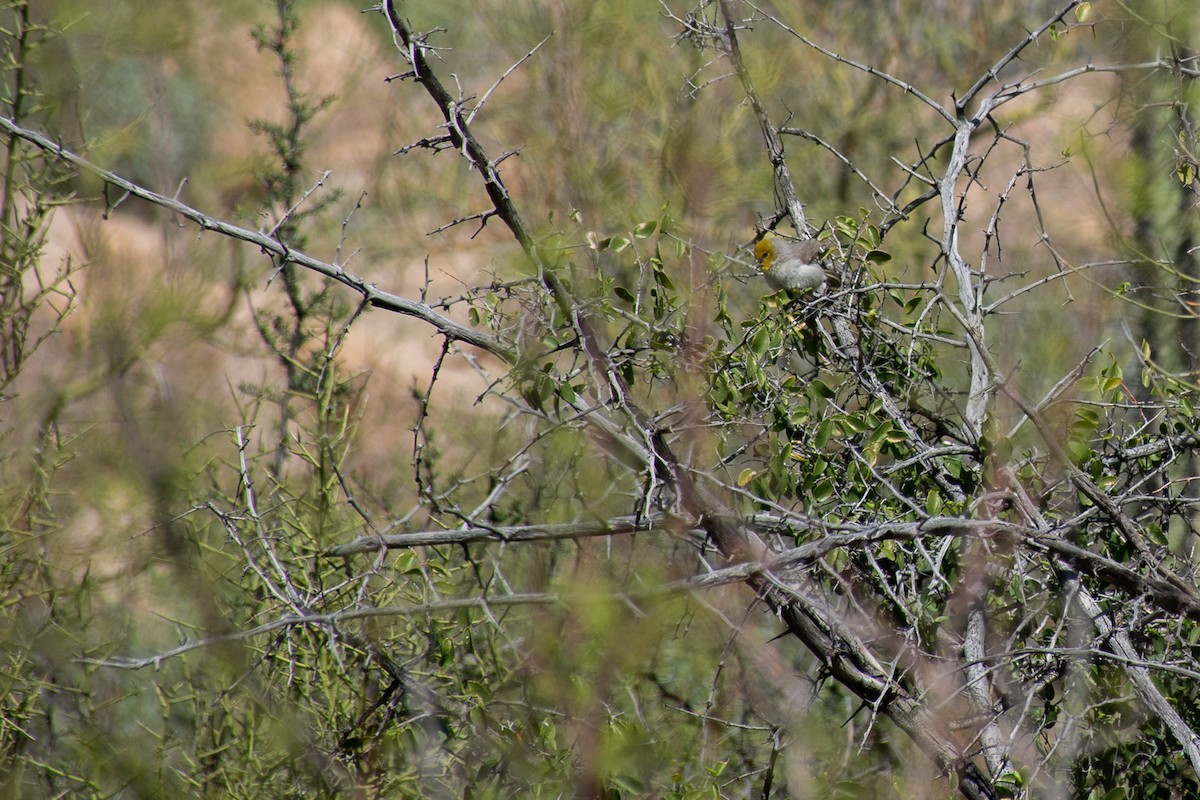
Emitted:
pixel 790 265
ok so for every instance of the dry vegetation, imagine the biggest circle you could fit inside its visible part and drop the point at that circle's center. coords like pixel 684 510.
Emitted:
pixel 270 533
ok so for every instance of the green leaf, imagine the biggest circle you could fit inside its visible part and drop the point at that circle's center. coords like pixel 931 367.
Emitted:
pixel 407 563
pixel 868 236
pixel 1186 172
pixel 1008 785
pixel 1156 535
pixel 820 389
pixel 878 256
pixel 614 244
pixel 823 491
pixel 623 293
pixel 645 229
pixel 1082 12
pixel 665 223
pixel 855 423
pixel 824 431
pixel 760 341
pixel 887 549
pixel 1079 451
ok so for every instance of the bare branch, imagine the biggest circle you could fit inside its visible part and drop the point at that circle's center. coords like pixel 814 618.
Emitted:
pixel 370 293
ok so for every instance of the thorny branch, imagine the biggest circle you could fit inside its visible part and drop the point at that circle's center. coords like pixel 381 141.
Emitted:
pixel 891 677
pixel 370 293
pixel 865 676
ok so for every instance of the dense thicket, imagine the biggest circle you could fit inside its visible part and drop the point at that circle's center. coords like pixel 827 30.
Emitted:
pixel 392 405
